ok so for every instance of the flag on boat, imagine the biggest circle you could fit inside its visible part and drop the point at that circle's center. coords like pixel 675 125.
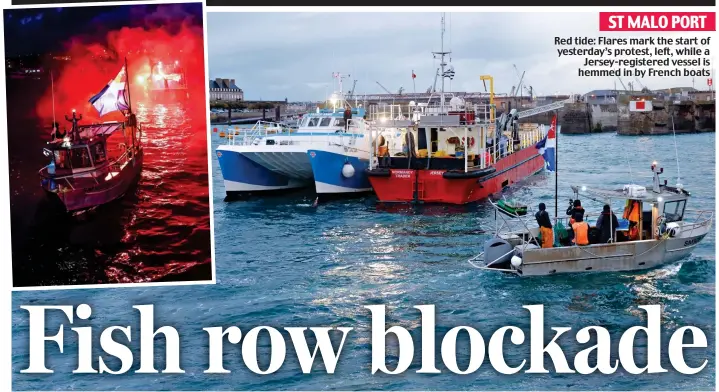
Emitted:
pixel 449 73
pixel 413 75
pixel 548 147
pixel 114 96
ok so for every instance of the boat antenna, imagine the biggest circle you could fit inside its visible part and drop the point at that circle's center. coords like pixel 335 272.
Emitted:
pixel 629 163
pixel 52 88
pixel 556 169
pixel 676 152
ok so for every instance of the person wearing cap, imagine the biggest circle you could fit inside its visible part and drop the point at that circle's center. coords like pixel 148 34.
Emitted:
pixel 545 226
pixel 607 223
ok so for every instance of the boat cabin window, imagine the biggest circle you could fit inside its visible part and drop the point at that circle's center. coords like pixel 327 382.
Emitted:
pixel 339 122
pixel 62 159
pixel 98 153
pixel 674 210
pixel 325 122
pixel 80 157
pixel 313 122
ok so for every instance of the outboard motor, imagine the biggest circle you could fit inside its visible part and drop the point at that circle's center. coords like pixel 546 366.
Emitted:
pixel 498 253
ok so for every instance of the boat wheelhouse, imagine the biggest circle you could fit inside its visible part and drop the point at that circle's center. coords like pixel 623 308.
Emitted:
pixel 94 164
pixel 666 232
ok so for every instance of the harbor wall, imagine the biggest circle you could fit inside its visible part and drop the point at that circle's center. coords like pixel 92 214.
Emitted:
pixel 581 118
pixel 667 118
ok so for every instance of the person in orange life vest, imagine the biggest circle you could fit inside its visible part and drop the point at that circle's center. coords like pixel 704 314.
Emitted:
pixel 581 231
pixel 545 226
pixel 631 213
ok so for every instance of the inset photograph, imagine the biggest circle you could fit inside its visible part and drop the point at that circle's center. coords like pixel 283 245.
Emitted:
pixel 107 139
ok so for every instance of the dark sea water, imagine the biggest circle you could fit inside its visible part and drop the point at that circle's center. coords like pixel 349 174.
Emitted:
pixel 160 230
pixel 280 262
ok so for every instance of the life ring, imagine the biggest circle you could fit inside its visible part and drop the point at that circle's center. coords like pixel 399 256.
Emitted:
pixel 471 141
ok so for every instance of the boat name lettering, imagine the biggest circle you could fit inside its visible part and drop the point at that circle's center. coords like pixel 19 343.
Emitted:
pixel 694 241
pixel 402 174
pixel 435 172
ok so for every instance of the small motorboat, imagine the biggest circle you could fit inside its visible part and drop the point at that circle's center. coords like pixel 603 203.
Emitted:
pixel 665 232
pixel 94 164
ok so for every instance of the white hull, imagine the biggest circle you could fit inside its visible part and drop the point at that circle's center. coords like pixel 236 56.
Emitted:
pixel 324 188
pixel 290 161
pixel 234 186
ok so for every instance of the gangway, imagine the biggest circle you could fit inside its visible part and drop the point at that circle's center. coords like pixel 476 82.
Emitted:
pixel 545 108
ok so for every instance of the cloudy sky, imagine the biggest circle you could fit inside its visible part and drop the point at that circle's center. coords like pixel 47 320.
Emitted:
pixel 293 55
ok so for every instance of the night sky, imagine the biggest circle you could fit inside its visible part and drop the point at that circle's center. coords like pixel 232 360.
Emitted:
pixel 43 30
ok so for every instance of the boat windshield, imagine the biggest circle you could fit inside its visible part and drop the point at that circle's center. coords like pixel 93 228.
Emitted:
pixel 674 210
pixel 80 157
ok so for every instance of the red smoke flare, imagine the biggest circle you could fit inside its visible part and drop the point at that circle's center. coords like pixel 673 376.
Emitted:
pixel 95 62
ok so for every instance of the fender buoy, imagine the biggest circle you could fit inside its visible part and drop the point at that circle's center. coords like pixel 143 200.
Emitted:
pixel 471 141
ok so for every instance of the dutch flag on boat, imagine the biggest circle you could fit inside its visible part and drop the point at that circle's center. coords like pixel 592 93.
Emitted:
pixel 114 96
pixel 548 147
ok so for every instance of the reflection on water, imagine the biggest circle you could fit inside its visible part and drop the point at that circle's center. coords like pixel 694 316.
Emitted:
pixel 159 231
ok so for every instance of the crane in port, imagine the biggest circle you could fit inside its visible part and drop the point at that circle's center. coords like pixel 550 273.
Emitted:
pixel 433 87
pixel 383 87
pixel 622 83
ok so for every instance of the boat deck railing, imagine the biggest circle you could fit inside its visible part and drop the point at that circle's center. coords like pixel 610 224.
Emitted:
pixel 356 129
pixel 261 129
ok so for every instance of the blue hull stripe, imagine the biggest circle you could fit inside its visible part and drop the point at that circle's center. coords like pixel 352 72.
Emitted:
pixel 327 168
pixel 238 168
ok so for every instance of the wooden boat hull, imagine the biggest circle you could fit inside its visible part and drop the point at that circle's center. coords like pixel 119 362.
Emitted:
pixel 80 199
pixel 432 186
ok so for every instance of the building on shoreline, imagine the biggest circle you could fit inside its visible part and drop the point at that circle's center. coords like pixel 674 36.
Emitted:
pixel 225 90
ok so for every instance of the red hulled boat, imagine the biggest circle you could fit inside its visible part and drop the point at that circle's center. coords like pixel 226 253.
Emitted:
pixel 441 160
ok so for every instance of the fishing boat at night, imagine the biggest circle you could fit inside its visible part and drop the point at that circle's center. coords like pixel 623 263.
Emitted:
pixel 91 165
pixel 663 231
pixel 166 80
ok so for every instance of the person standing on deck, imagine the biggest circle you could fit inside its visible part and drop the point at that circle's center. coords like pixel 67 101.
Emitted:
pixel 545 226
pixel 575 210
pixel 607 223
pixel 347 117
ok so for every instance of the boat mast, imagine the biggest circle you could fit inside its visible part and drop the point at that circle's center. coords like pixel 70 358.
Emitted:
pixel 556 169
pixel 52 87
pixel 127 84
pixel 442 64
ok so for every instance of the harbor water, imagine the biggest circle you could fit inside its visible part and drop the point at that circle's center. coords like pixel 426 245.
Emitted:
pixel 281 262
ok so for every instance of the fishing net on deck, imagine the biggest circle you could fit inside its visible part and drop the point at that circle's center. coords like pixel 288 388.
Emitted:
pixel 560 234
